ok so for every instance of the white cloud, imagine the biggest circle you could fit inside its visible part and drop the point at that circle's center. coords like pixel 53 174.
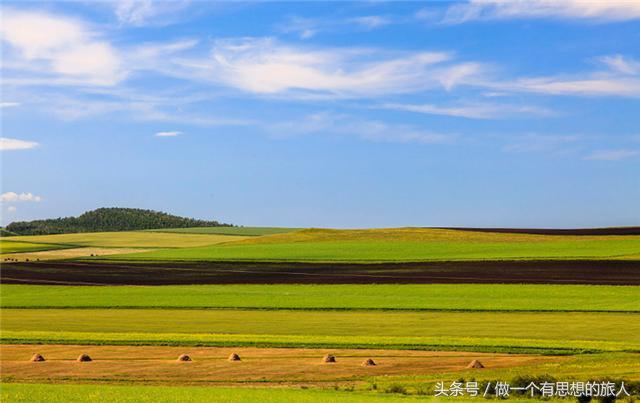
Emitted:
pixel 15 144
pixel 11 209
pixel 593 10
pixel 168 134
pixel 594 85
pixel 371 21
pixel 371 130
pixel 9 104
pixel 134 12
pixel 621 64
pixel 60 47
pixel 147 12
pixel 622 78
pixel 263 66
pixel 473 111
pixel 612 155
pixel 540 143
pixel 309 27
pixel 21 197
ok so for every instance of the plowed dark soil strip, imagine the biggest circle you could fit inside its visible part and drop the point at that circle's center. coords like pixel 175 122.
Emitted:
pixel 531 272
pixel 552 231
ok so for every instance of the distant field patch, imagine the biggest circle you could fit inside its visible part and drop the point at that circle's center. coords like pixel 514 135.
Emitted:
pixel 70 253
pixel 132 239
pixel 7 246
pixel 505 297
pixel 242 231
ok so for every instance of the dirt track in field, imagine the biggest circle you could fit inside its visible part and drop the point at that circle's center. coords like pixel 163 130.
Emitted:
pixel 532 272
pixel 210 365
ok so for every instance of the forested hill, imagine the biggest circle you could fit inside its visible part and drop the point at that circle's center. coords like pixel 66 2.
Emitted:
pixel 107 219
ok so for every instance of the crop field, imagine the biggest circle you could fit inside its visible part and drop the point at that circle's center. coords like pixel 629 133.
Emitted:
pixel 404 245
pixel 7 246
pixel 134 394
pixel 130 239
pixel 483 331
pixel 439 297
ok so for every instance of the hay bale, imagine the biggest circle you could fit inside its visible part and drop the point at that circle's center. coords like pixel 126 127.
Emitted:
pixel 369 363
pixel 37 358
pixel 84 358
pixel 329 358
pixel 475 364
pixel 184 357
pixel 234 357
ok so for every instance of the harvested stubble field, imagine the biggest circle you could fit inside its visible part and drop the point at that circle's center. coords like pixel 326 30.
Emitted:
pixel 209 365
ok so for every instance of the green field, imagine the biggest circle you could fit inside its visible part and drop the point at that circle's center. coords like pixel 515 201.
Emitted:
pixel 501 297
pixel 242 231
pixel 126 239
pixel 8 246
pixel 482 331
pixel 108 393
pixel 400 245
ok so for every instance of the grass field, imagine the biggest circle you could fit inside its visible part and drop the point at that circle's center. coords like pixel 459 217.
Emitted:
pixel 100 394
pixel 400 245
pixel 7 246
pixel 130 239
pixel 443 297
pixel 241 231
pixel 481 331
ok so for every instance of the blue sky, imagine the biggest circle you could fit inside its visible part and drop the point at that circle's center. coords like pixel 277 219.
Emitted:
pixel 368 114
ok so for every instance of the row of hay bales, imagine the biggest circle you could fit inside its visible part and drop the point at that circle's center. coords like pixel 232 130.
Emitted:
pixel 235 357
pixel 184 358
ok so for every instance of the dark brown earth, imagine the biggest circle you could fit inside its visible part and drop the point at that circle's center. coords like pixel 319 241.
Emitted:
pixel 551 231
pixel 533 272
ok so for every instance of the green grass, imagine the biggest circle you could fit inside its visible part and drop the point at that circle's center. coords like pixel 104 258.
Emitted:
pixel 507 297
pixel 244 231
pixel 404 244
pixel 482 331
pixel 109 393
pixel 7 246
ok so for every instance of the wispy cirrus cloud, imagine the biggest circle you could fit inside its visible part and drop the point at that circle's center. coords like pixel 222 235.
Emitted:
pixel 147 12
pixel 533 143
pixel 265 66
pixel 612 155
pixel 473 111
pixel 168 134
pixel 621 64
pixel 307 28
pixel 328 123
pixel 621 77
pixel 15 144
pixel 597 11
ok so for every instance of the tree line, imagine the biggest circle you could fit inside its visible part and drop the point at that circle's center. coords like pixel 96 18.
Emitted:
pixel 107 219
